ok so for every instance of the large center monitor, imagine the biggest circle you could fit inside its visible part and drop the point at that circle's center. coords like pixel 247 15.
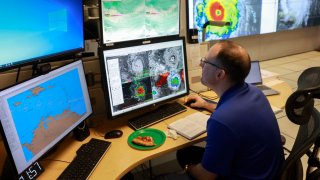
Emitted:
pixel 144 75
pixel 250 17
pixel 39 30
pixel 36 114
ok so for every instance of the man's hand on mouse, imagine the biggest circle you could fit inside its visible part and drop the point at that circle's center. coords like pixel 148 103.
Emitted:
pixel 198 102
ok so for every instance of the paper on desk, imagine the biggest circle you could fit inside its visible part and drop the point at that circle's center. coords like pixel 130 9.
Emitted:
pixel 276 110
pixel 190 126
pixel 273 82
pixel 267 74
pixel 172 134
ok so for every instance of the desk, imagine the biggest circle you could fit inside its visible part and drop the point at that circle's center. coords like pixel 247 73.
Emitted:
pixel 121 158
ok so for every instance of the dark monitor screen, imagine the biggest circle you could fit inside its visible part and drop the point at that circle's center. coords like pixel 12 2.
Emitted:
pixel 38 30
pixel 36 114
pixel 138 19
pixel 143 75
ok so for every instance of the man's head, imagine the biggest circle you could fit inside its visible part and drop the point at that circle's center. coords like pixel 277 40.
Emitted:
pixel 225 63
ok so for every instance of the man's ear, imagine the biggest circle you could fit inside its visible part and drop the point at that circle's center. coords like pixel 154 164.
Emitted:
pixel 221 74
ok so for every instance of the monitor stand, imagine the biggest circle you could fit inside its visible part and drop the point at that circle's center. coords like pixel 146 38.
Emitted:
pixel 81 132
pixel 38 70
pixel 162 112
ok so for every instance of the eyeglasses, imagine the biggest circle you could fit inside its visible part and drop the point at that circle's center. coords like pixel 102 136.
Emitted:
pixel 203 61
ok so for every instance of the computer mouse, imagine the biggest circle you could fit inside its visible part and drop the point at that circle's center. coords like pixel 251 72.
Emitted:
pixel 113 134
pixel 188 103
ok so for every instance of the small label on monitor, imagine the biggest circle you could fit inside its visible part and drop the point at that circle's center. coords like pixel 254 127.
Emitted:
pixel 146 42
pixel 109 44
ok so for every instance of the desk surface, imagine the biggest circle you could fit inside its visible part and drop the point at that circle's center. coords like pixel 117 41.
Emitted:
pixel 121 158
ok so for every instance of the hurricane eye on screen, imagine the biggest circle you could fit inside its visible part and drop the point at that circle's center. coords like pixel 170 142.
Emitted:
pixel 142 75
pixel 251 17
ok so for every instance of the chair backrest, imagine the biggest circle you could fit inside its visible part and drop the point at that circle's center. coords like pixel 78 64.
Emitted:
pixel 300 110
pixel 306 136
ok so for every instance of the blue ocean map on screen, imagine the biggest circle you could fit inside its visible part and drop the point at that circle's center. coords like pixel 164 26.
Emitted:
pixel 43 112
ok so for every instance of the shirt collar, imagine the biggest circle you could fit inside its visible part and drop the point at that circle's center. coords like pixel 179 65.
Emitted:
pixel 231 92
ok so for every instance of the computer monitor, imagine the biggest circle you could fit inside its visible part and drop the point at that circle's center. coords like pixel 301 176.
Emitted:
pixel 39 31
pixel 250 17
pixel 36 114
pixel 144 75
pixel 128 20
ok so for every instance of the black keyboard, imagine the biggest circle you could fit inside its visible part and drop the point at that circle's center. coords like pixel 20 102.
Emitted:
pixel 161 113
pixel 88 156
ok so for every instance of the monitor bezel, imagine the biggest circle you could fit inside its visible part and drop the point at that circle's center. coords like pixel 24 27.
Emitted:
pixel 119 44
pixel 188 29
pixel 4 137
pixel 152 105
pixel 58 56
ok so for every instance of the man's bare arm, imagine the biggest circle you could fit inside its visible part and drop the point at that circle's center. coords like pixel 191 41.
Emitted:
pixel 198 172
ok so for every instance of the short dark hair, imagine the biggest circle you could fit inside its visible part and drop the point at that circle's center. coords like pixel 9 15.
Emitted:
pixel 233 61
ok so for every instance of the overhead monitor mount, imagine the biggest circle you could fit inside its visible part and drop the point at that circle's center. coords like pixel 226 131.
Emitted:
pixel 212 23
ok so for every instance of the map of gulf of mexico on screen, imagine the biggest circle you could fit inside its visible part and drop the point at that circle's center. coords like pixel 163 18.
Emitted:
pixel 49 109
pixel 138 19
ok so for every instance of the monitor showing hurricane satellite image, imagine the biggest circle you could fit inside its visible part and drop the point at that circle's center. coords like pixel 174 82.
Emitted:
pixel 250 17
pixel 139 76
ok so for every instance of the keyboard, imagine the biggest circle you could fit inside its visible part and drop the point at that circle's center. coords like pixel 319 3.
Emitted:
pixel 163 112
pixel 88 156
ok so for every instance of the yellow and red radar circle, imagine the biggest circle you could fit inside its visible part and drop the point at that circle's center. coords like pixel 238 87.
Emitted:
pixel 216 11
pixel 221 10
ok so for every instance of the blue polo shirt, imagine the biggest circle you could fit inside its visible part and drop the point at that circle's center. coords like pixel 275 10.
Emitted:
pixel 243 136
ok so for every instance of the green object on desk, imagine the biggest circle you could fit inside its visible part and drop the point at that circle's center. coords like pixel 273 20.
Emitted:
pixel 158 136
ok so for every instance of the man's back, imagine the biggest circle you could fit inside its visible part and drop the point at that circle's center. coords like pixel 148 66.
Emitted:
pixel 243 136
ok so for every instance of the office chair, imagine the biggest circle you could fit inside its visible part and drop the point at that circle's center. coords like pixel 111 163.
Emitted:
pixel 300 110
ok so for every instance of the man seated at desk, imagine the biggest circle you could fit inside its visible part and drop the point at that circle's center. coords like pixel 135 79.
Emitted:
pixel 243 137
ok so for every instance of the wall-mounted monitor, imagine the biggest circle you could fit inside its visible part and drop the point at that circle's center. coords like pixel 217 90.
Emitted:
pixel 250 17
pixel 36 114
pixel 128 20
pixel 39 30
pixel 143 75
